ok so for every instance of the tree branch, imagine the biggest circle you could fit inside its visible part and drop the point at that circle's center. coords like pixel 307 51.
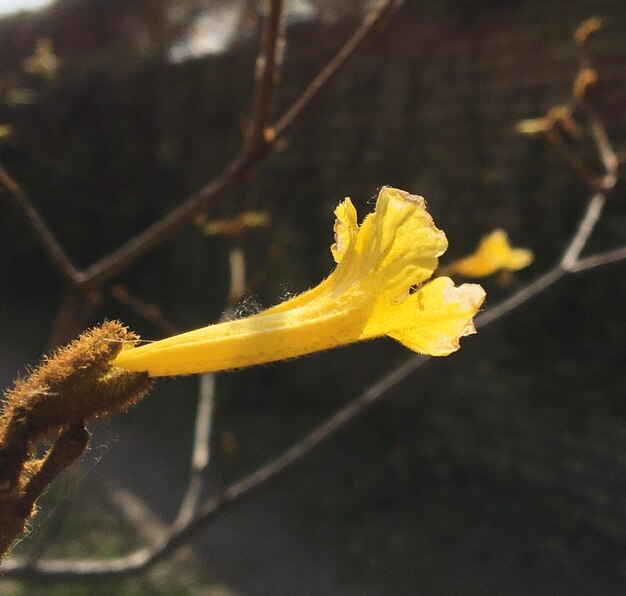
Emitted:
pixel 372 25
pixel 201 451
pixel 162 230
pixel 604 258
pixel 46 238
pixel 267 75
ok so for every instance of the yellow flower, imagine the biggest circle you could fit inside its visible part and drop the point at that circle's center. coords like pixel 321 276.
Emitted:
pixel 238 225
pixel 586 79
pixel 587 28
pixel 43 62
pixel 533 126
pixel 376 289
pixel 493 254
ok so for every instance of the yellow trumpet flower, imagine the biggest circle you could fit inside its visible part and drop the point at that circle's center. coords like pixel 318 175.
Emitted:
pixel 493 254
pixel 378 288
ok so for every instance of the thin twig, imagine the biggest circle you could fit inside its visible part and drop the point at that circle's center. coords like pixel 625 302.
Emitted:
pixel 201 455
pixel 372 25
pixel 267 75
pixel 607 154
pixel 605 258
pixel 67 447
pixel 159 232
pixel 514 301
pixel 54 251
pixel 586 226
pixel 201 451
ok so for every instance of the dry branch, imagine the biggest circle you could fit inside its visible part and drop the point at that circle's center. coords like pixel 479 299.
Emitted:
pixel 42 233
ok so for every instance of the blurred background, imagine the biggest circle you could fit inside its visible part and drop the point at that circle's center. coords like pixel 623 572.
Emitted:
pixel 500 469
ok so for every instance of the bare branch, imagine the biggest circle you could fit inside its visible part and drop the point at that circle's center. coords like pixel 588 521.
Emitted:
pixel 585 227
pixel 65 450
pixel 267 75
pixel 597 201
pixel 206 402
pixel 599 260
pixel 372 25
pixel 606 152
pixel 201 451
pixel 514 301
pixel 162 230
pixel 144 558
pixel 46 238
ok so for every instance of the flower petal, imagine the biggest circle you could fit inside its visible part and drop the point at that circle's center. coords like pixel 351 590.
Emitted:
pixel 433 319
pixel 519 258
pixel 346 228
pixel 398 245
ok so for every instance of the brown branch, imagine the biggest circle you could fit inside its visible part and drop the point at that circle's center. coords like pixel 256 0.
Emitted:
pixel 267 75
pixel 66 449
pixel 46 238
pixel 372 26
pixel 159 232
pixel 607 154
pixel 17 503
pixel 201 454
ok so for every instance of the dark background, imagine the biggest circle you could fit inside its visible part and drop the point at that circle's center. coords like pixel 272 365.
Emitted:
pixel 498 469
